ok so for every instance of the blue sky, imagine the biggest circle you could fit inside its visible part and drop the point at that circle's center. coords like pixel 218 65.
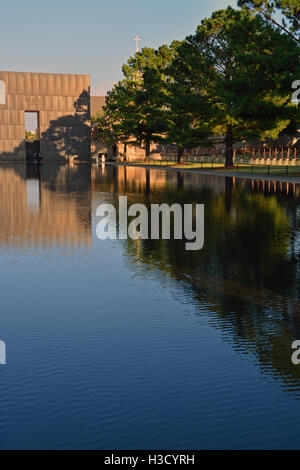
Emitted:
pixel 92 36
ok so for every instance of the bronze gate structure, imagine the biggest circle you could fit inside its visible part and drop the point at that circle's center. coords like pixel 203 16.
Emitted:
pixel 63 104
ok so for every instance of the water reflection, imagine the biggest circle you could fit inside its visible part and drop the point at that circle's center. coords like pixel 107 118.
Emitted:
pixel 45 206
pixel 141 344
pixel 247 275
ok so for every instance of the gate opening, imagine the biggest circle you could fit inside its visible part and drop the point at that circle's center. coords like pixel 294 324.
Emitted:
pixel 32 134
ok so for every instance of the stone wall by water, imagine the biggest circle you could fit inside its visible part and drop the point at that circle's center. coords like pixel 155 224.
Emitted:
pixel 63 106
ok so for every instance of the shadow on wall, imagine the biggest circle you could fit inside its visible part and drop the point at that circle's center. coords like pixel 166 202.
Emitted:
pixel 66 138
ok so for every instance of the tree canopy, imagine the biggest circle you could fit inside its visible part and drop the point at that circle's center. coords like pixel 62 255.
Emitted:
pixel 241 69
pixel 269 9
pixel 231 80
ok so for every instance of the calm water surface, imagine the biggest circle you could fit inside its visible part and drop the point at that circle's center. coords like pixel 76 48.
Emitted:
pixel 141 344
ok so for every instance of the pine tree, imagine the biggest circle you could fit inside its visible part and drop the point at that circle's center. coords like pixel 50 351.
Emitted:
pixel 243 69
pixel 268 9
pixel 145 78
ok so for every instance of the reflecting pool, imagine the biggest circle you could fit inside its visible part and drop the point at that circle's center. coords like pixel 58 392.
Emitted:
pixel 124 344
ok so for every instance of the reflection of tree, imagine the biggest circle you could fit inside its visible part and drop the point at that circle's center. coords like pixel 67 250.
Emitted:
pixel 246 274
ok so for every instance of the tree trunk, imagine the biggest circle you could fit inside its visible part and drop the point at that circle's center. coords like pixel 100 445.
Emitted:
pixel 125 152
pixel 180 180
pixel 147 190
pixel 228 193
pixel 148 149
pixel 229 148
pixel 180 155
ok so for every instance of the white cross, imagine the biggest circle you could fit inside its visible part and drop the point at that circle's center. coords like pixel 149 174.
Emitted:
pixel 137 40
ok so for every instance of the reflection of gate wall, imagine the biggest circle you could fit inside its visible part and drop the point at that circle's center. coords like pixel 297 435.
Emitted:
pixel 63 102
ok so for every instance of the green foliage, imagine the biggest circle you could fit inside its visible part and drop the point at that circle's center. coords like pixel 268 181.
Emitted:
pixel 232 79
pixel 102 129
pixel 241 69
pixel 268 9
pixel 29 135
pixel 145 76
pixel 186 112
pixel 118 109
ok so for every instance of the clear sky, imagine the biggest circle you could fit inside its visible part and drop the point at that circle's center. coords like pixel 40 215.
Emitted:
pixel 92 36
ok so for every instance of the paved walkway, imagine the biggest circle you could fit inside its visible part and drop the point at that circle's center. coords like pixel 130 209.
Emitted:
pixel 235 174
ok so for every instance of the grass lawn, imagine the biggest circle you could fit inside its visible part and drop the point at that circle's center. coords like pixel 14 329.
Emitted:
pixel 265 170
pixel 240 168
